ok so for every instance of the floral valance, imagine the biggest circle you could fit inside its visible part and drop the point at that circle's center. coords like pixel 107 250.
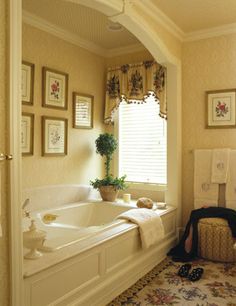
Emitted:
pixel 133 83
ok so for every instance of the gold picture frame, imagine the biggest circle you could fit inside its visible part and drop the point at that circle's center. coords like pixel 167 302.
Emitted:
pixel 55 89
pixel 27 83
pixel 27 134
pixel 54 136
pixel 221 108
pixel 82 111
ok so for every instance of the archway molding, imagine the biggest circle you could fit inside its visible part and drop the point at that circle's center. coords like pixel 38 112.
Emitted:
pixel 124 13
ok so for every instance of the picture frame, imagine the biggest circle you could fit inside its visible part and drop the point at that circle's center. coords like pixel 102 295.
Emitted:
pixel 55 89
pixel 27 83
pixel 221 108
pixel 82 111
pixel 27 134
pixel 54 136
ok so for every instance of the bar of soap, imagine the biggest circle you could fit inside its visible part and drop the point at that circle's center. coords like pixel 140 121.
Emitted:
pixel 161 205
pixel 144 203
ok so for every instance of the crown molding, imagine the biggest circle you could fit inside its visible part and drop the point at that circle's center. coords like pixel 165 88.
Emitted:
pixel 211 32
pixel 161 18
pixel 107 7
pixel 171 27
pixel 59 32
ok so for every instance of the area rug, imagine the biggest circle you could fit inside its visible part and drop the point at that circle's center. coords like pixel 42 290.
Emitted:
pixel 162 286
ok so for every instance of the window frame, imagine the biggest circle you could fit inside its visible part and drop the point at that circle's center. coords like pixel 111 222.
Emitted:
pixel 132 185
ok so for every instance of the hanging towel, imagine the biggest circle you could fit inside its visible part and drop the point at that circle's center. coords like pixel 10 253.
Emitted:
pixel 220 165
pixel 205 192
pixel 150 225
pixel 230 190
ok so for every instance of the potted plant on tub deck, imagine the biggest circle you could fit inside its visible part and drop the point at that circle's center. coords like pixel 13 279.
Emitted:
pixel 109 186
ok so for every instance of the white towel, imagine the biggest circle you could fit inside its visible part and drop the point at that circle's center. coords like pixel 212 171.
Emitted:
pixel 220 165
pixel 150 225
pixel 230 190
pixel 205 192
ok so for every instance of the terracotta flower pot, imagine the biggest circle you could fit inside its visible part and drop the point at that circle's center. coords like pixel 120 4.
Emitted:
pixel 108 193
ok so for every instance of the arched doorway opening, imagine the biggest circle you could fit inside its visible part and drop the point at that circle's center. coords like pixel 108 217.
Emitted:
pixel 123 13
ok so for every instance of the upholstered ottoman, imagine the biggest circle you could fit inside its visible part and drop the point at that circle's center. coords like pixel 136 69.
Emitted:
pixel 215 240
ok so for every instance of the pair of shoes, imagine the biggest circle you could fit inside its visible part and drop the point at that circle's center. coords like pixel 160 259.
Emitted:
pixel 184 270
pixel 195 274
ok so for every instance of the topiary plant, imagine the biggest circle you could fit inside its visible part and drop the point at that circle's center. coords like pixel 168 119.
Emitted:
pixel 106 145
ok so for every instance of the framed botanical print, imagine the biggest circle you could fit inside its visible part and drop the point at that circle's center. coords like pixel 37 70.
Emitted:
pixel 27 134
pixel 82 111
pixel 221 108
pixel 54 136
pixel 27 83
pixel 55 89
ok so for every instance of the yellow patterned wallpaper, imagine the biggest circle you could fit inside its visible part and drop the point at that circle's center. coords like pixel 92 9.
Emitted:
pixel 207 65
pixel 86 75
pixel 4 243
pixel 129 58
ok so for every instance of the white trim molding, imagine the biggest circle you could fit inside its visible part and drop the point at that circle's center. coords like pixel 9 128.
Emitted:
pixel 161 18
pixel 59 32
pixel 146 5
pixel 176 31
pixel 16 240
pixel 107 7
pixel 211 32
pixel 74 39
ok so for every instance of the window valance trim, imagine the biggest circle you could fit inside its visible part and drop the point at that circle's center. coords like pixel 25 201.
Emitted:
pixel 133 83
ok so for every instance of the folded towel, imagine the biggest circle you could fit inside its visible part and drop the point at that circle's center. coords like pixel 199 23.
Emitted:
pixel 230 190
pixel 220 165
pixel 204 190
pixel 150 225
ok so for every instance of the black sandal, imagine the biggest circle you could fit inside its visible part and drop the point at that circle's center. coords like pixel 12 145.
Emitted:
pixel 184 270
pixel 196 274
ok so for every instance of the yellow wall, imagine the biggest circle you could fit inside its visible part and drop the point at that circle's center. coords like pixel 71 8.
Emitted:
pixel 4 261
pixel 129 58
pixel 207 65
pixel 86 75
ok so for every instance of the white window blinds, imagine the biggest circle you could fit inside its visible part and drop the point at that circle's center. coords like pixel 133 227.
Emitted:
pixel 142 143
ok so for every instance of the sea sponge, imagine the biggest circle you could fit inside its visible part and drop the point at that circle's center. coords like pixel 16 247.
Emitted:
pixel 144 203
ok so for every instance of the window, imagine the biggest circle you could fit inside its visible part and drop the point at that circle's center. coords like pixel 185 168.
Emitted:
pixel 142 143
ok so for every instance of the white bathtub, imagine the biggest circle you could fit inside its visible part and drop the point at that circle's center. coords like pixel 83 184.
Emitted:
pixel 75 222
pixel 98 256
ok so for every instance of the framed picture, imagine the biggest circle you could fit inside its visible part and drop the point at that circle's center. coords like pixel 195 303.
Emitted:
pixel 27 83
pixel 82 111
pixel 27 134
pixel 55 89
pixel 54 136
pixel 221 108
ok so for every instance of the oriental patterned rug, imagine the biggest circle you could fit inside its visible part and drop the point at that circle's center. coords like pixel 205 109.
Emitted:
pixel 162 286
